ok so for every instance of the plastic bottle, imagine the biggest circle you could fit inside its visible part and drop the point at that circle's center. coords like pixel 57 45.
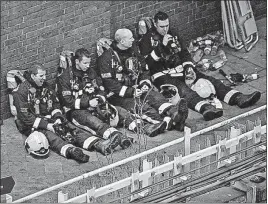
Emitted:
pixel 218 64
pixel 198 55
pixel 207 50
pixel 214 49
pixel 222 55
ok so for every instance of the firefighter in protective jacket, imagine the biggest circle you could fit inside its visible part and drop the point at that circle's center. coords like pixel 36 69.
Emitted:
pixel 82 96
pixel 38 109
pixel 125 75
pixel 170 63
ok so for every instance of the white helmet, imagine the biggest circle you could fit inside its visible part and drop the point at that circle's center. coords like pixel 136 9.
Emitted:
pixel 170 92
pixel 36 144
pixel 204 88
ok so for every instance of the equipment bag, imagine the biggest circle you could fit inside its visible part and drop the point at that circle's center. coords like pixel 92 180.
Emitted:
pixel 14 79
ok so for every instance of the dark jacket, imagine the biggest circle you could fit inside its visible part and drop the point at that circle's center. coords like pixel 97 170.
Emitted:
pixel 151 45
pixel 117 75
pixel 71 84
pixel 26 98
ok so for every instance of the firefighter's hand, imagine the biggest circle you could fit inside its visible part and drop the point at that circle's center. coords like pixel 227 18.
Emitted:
pixel 137 93
pixel 166 39
pixel 101 99
pixel 145 88
pixel 50 127
pixel 58 121
pixel 94 102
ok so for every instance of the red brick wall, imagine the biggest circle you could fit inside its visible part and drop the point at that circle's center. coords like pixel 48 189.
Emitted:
pixel 37 31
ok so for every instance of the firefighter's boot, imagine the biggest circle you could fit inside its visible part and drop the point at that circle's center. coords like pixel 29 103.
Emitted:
pixel 179 114
pixel 76 154
pixel 244 101
pixel 209 112
pixel 106 147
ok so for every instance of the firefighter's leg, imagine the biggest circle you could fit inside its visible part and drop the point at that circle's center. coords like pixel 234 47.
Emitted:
pixel 135 124
pixel 178 113
pixel 231 96
pixel 65 149
pixel 149 113
pixel 194 101
pixel 84 119
pixel 88 141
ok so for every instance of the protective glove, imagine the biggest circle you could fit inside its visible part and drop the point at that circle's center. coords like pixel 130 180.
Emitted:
pixel 101 99
pixel 50 127
pixel 166 39
pixel 137 93
pixel 94 102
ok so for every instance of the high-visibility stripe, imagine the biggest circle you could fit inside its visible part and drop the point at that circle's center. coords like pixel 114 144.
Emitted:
pixel 55 111
pixel 64 149
pixel 163 107
pixel 168 120
pixel 228 96
pixel 133 124
pixel 156 75
pixel 146 80
pixel 36 122
pixel 77 103
pixel 154 56
pixel 199 105
pixel 123 91
pixel 88 142
pixel 187 63
pixel 108 132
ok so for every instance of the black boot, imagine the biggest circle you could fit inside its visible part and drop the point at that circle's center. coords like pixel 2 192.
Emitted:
pixel 153 130
pixel 179 114
pixel 76 154
pixel 209 112
pixel 105 147
pixel 124 141
pixel 244 101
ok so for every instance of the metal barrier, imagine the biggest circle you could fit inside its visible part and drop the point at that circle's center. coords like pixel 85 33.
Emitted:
pixel 179 165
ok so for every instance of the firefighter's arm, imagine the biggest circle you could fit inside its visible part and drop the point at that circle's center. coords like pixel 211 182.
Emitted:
pixel 109 78
pixel 65 94
pixel 25 114
pixel 185 56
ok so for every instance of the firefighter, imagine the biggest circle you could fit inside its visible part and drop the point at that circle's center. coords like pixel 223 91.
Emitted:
pixel 170 63
pixel 82 96
pixel 38 112
pixel 125 76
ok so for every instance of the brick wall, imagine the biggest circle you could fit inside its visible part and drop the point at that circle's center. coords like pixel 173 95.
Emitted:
pixel 37 31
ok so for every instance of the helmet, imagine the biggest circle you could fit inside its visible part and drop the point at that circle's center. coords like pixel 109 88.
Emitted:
pixel 36 144
pixel 170 92
pixel 204 88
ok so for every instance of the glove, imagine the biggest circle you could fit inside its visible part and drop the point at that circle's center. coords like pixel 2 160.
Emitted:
pixel 50 127
pixel 137 93
pixel 93 102
pixel 101 99
pixel 166 39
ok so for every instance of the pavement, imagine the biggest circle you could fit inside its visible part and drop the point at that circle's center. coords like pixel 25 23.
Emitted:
pixel 32 175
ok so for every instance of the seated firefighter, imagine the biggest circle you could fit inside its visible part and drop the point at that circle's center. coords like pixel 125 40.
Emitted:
pixel 40 118
pixel 124 75
pixel 82 94
pixel 170 63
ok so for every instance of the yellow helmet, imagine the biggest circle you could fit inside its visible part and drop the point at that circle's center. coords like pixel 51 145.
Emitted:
pixel 36 144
